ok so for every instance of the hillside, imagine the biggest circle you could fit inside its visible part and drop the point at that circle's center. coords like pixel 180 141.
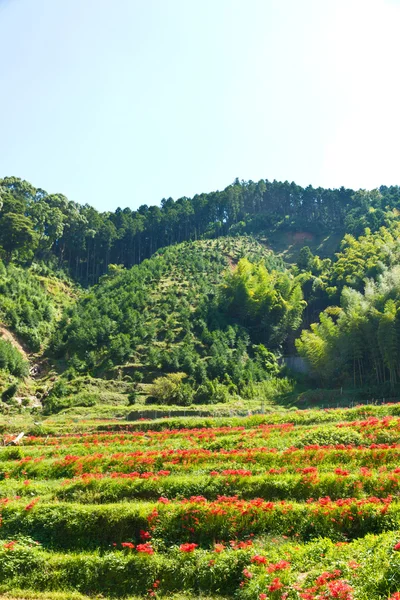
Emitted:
pixel 206 321
pixel 154 441
pixel 84 242
pixel 32 301
pixel 162 318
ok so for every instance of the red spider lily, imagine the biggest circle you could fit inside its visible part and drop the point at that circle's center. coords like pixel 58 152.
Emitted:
pixel 9 545
pixel 240 545
pixel 219 547
pixel 145 548
pixel 247 573
pixel 353 564
pixel 128 545
pixel 327 576
pixel 340 589
pixel 188 547
pixel 31 504
pixel 342 472
pixel 308 470
pixel 144 535
pixel 279 566
pixel 258 559
pixel 275 585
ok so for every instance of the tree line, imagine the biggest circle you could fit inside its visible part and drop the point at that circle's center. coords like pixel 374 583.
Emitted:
pixel 35 225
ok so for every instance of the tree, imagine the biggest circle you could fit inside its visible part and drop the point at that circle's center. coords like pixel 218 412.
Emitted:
pixel 17 236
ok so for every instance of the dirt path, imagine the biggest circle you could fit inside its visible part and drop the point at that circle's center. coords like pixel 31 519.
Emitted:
pixel 232 263
pixel 37 366
pixel 6 334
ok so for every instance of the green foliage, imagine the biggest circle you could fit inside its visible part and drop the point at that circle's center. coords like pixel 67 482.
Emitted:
pixel 26 306
pixel 163 317
pixel 54 404
pixel 11 360
pixel 171 390
pixel 269 303
pixel 359 340
pixel 9 392
pixel 86 243
pixel 212 392
pixel 219 309
pixel 17 236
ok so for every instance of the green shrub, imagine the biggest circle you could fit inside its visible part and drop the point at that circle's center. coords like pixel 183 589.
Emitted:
pixel 11 359
pixel 171 390
pixel 330 435
pixel 9 393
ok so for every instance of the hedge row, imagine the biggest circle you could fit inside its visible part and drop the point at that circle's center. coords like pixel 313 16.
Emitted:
pixel 73 526
pixel 94 489
pixel 369 567
pixel 270 487
pixel 255 459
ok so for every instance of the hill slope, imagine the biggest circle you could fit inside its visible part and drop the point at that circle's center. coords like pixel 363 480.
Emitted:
pixel 162 317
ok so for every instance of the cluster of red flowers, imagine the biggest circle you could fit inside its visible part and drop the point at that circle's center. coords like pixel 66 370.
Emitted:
pixel 32 504
pixel 327 586
pixel 145 548
pixel 188 547
pixel 9 545
pixel 363 469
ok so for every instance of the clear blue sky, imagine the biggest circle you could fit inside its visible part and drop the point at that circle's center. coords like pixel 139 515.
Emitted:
pixel 124 102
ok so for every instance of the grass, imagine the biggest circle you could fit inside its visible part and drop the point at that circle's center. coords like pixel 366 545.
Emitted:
pixel 70 595
pixel 244 483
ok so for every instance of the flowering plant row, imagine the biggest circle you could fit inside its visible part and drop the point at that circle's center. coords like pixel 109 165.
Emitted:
pixel 296 505
pixel 261 459
pixel 197 520
pixel 320 570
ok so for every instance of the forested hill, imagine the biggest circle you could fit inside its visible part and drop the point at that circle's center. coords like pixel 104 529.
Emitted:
pixel 35 225
pixel 198 301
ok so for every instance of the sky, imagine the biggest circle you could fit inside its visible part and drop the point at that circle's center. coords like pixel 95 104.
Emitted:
pixel 125 102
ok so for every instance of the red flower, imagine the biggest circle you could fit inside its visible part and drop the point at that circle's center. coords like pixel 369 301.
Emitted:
pixel 219 547
pixel 396 546
pixel 276 584
pixel 258 559
pixel 279 566
pixel 340 589
pixel 128 545
pixel 31 504
pixel 9 545
pixel 146 548
pixel 187 547
pixel 247 573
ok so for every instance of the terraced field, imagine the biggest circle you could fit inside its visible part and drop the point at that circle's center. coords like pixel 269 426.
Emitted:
pixel 295 505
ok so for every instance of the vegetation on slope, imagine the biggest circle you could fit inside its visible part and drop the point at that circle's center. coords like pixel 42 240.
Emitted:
pixel 50 227
pixel 203 320
pixel 166 316
pixel 260 509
